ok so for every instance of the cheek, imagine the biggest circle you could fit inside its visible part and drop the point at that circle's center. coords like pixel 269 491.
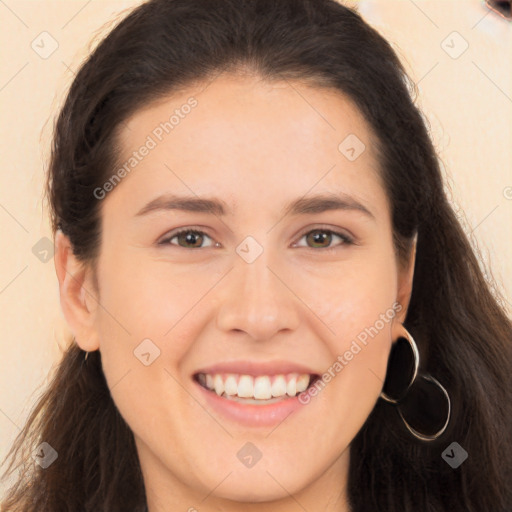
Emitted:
pixel 138 323
pixel 152 312
pixel 353 294
pixel 356 301
pixel 142 299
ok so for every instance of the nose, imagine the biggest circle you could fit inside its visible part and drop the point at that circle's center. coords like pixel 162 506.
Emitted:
pixel 257 300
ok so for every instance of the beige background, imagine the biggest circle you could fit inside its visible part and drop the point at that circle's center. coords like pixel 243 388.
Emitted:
pixel 467 100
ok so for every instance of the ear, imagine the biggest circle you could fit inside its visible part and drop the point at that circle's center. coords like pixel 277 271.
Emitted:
pixel 405 279
pixel 78 296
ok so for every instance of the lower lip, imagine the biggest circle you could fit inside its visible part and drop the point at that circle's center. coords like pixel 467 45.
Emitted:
pixel 249 414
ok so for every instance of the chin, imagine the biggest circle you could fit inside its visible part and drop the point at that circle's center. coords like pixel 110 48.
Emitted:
pixel 261 485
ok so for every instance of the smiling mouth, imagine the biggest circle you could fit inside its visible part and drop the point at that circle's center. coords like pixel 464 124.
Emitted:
pixel 259 390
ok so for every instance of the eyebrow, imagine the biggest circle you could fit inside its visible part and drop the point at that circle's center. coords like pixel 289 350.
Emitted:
pixel 312 204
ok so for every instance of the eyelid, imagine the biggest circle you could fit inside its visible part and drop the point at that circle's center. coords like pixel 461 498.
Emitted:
pixel 345 235
pixel 164 239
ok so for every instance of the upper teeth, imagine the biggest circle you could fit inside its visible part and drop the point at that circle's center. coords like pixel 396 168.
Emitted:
pixel 262 387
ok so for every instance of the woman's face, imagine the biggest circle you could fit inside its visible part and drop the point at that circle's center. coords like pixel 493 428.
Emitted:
pixel 293 274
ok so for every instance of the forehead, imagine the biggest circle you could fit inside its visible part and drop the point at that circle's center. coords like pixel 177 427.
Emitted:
pixel 238 136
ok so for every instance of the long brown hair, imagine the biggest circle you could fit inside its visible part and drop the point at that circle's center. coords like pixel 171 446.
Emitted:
pixel 461 327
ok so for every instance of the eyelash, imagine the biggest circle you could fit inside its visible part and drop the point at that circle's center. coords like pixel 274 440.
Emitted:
pixel 347 240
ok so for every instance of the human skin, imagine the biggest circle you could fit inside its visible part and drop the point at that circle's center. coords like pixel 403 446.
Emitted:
pixel 256 146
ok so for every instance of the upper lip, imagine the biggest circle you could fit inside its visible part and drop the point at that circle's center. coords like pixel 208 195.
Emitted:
pixel 256 368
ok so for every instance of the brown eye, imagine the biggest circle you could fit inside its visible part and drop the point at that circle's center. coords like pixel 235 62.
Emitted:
pixel 322 238
pixel 319 237
pixel 187 238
